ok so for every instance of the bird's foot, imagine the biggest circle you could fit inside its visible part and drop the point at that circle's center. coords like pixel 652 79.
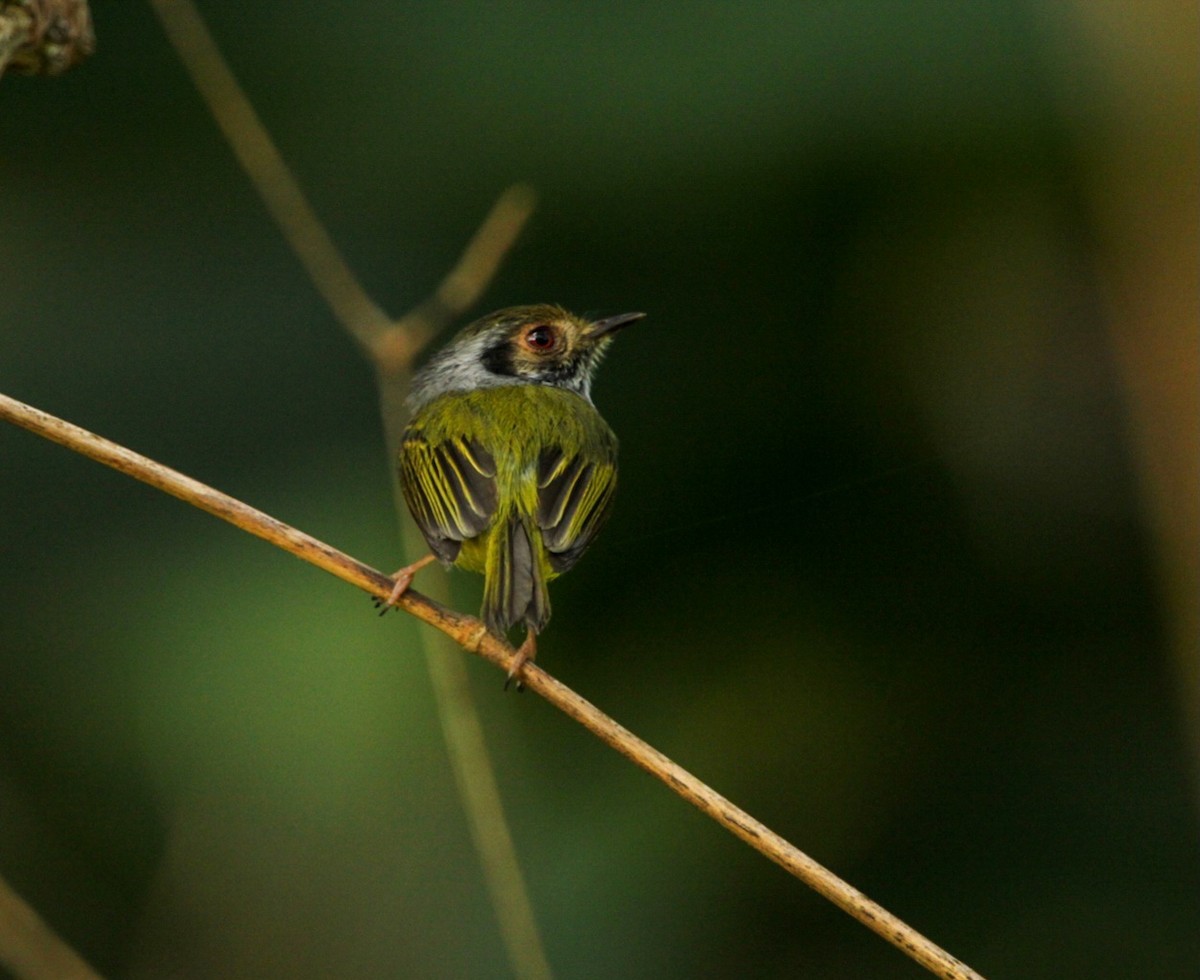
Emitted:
pixel 401 580
pixel 526 653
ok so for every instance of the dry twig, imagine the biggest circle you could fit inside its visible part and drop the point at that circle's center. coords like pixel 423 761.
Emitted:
pixel 469 633
pixel 391 346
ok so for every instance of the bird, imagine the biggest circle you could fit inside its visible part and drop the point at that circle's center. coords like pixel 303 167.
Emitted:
pixel 506 465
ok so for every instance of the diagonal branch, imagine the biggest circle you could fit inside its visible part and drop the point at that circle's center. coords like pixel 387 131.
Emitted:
pixel 472 636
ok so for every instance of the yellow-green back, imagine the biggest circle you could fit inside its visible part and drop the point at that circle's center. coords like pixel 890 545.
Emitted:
pixel 513 481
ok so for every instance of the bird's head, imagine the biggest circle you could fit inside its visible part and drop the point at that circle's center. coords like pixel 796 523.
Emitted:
pixel 539 345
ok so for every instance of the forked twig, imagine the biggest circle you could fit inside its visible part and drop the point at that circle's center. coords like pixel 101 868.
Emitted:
pixel 469 633
pixel 391 346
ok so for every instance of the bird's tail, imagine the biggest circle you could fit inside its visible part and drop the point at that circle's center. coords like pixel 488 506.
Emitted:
pixel 514 588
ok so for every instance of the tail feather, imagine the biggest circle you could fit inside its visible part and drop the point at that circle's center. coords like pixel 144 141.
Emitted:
pixel 514 589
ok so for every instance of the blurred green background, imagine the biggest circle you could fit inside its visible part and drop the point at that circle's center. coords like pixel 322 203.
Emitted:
pixel 894 563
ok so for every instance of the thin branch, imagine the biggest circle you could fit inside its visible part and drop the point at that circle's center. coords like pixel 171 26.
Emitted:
pixel 261 160
pixel 470 758
pixel 30 949
pixel 476 780
pixel 391 345
pixel 393 351
pixel 469 633
pixel 467 746
pixel 392 348
pixel 461 628
pixel 1138 183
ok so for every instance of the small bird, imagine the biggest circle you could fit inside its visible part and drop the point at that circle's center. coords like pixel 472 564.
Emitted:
pixel 506 466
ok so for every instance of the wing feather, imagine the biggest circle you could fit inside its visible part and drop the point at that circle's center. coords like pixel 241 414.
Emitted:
pixel 450 488
pixel 575 497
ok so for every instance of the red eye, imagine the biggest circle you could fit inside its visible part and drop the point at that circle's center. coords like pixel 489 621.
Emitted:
pixel 540 338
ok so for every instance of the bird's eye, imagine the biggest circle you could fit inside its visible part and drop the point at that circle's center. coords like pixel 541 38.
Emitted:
pixel 540 338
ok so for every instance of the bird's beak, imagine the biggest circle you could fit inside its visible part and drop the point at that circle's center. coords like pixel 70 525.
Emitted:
pixel 602 328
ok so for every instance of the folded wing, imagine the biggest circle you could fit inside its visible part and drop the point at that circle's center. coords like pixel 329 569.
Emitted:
pixel 575 497
pixel 450 488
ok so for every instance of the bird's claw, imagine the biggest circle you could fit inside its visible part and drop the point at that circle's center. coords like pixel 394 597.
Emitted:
pixel 526 653
pixel 401 581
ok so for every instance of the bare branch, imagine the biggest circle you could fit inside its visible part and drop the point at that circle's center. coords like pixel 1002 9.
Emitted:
pixel 392 347
pixel 394 350
pixel 257 154
pixel 469 633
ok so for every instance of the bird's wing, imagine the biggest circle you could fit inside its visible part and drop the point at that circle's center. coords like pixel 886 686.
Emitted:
pixel 575 496
pixel 450 488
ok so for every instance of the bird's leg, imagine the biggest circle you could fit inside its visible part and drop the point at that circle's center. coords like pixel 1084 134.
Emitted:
pixel 526 653
pixel 401 580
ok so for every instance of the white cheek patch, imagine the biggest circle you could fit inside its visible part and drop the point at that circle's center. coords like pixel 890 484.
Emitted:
pixel 463 368
pixel 454 369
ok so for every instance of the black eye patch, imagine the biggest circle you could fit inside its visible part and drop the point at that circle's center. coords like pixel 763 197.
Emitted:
pixel 498 359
